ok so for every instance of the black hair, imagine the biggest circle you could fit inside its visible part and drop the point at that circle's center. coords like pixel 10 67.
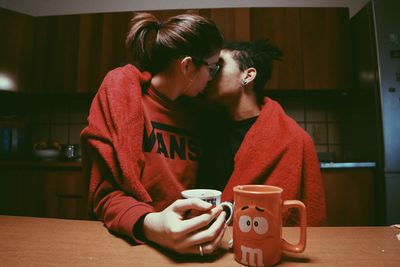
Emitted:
pixel 259 55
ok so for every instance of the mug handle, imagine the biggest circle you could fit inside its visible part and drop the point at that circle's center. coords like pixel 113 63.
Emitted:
pixel 228 207
pixel 299 247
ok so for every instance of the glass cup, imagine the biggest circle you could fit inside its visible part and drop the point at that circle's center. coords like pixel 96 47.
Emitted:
pixel 212 196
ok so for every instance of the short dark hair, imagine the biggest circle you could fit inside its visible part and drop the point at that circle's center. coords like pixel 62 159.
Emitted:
pixel 259 55
pixel 154 44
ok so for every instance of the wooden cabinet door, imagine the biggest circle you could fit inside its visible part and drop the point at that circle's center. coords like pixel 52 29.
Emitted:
pixel 44 193
pixel 326 48
pixel 282 27
pixel 21 193
pixel 16 51
pixel 65 194
pixel 74 53
pixel 56 45
pixel 315 43
pixel 234 23
pixel 350 198
pixel 101 47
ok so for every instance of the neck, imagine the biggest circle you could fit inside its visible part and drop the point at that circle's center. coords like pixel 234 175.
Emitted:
pixel 243 107
pixel 166 84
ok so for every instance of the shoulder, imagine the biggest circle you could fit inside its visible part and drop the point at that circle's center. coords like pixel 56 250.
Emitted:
pixel 120 87
pixel 288 127
pixel 123 79
pixel 127 73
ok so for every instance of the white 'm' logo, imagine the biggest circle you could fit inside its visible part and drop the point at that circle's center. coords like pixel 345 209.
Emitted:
pixel 252 252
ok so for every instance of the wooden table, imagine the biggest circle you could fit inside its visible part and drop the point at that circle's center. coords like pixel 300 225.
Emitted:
pixel 28 241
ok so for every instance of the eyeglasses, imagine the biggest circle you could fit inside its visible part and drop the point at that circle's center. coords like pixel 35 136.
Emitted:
pixel 212 68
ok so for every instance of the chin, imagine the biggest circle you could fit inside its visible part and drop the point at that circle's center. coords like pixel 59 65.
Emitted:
pixel 210 95
pixel 194 93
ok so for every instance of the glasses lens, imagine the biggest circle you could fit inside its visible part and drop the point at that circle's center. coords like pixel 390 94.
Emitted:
pixel 214 70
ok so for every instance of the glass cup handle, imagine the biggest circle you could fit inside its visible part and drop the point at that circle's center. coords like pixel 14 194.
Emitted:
pixel 299 247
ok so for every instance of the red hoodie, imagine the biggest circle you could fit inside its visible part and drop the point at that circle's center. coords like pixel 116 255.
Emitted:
pixel 139 150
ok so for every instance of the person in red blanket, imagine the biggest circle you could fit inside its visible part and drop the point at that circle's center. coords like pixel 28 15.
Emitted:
pixel 256 142
pixel 141 148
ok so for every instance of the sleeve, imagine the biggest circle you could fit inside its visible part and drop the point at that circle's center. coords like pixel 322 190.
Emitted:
pixel 111 149
pixel 118 210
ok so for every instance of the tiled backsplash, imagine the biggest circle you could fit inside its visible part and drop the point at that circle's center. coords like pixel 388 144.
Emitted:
pixel 63 123
pixel 342 127
pixel 60 122
pixel 320 120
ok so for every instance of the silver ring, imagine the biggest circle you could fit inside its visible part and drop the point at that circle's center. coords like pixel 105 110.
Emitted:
pixel 201 250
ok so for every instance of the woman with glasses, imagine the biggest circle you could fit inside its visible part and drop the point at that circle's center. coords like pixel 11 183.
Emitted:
pixel 140 146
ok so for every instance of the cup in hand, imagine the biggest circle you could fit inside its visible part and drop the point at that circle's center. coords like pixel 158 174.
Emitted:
pixel 211 196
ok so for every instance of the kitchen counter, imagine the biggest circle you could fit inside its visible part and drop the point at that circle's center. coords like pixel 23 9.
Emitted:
pixel 345 165
pixel 54 242
pixel 78 164
pixel 37 164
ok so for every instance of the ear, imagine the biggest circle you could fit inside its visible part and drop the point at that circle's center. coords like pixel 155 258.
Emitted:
pixel 187 67
pixel 249 75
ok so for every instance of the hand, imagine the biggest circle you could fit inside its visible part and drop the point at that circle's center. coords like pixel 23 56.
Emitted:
pixel 170 229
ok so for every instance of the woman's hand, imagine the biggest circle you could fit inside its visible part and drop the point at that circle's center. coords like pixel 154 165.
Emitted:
pixel 170 229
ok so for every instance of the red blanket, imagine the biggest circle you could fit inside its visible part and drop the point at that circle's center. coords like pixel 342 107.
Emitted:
pixel 115 128
pixel 111 145
pixel 276 151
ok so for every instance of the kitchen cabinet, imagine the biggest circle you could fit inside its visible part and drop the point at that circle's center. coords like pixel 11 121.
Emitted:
pixel 16 51
pixel 43 191
pixel 56 45
pixel 72 53
pixel 315 44
pixel 350 197
pixel 234 23
pixel 281 26
pixel 75 52
pixel 326 48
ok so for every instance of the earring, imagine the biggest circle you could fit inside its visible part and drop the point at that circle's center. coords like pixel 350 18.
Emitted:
pixel 244 82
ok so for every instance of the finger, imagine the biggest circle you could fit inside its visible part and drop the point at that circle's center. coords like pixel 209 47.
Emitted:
pixel 201 221
pixel 209 247
pixel 210 233
pixel 206 247
pixel 214 244
pixel 195 250
pixel 183 205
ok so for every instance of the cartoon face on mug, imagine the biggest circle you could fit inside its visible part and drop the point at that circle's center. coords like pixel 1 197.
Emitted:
pixel 254 225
